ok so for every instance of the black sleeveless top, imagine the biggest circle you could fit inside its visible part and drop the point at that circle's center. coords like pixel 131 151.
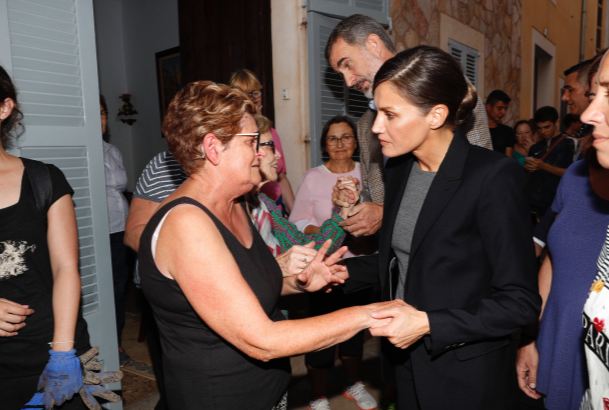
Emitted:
pixel 202 370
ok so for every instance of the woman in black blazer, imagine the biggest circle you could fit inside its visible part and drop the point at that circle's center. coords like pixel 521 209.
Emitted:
pixel 455 243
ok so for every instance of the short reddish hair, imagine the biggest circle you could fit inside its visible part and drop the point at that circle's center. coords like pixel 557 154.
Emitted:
pixel 203 107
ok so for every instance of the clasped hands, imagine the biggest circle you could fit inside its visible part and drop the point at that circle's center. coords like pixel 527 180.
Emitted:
pixel 399 322
pixel 360 219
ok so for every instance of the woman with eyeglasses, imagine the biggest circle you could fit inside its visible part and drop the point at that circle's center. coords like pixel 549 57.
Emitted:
pixel 313 203
pixel 279 190
pixel 212 283
pixel 312 206
pixel 278 233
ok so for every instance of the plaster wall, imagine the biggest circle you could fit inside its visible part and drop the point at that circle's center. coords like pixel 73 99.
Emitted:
pixel 290 84
pixel 560 24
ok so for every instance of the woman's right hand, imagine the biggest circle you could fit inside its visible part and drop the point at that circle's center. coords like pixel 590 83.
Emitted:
pixel 12 317
pixel 527 360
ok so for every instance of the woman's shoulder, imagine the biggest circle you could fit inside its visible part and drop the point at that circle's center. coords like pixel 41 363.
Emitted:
pixel 486 163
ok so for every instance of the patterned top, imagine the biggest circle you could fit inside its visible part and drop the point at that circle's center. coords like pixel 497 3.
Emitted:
pixel 161 176
pixel 596 339
pixel 280 234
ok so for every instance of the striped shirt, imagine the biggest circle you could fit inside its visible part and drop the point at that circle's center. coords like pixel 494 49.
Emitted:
pixel 161 176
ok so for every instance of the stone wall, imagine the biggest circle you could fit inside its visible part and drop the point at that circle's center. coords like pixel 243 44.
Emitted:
pixel 417 22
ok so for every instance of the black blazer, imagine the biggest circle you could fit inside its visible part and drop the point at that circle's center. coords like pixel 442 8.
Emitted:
pixel 472 269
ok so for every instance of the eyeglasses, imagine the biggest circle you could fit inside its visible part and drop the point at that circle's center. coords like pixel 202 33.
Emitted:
pixel 344 140
pixel 251 134
pixel 270 144
pixel 255 94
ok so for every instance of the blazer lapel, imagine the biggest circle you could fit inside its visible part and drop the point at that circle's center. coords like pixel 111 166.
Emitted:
pixel 442 189
pixel 396 172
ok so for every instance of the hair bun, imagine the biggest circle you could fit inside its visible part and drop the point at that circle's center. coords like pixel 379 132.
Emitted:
pixel 468 103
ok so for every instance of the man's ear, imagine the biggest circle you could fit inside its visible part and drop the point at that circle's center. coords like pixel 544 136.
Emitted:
pixel 436 117
pixel 374 44
pixel 6 108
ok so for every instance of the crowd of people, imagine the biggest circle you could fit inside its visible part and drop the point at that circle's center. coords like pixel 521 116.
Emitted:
pixel 478 252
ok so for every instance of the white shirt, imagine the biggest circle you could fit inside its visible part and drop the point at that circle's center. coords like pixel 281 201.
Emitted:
pixel 116 183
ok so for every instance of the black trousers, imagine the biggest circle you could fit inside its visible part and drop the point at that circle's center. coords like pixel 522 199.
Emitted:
pixel 120 278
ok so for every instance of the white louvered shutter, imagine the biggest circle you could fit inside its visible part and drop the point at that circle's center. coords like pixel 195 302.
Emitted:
pixel 48 47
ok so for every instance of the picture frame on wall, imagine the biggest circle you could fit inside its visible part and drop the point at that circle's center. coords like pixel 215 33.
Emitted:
pixel 169 76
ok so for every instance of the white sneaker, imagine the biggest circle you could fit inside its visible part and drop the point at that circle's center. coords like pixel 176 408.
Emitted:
pixel 360 396
pixel 320 404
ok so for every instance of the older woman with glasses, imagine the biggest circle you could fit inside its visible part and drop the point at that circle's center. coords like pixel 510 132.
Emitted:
pixel 279 190
pixel 278 233
pixel 209 277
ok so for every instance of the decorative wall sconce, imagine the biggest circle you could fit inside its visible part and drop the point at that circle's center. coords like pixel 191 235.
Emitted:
pixel 127 112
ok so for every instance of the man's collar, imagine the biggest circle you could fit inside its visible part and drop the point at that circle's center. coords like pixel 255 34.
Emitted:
pixel 372 105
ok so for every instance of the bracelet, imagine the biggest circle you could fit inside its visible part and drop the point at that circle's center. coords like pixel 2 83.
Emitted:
pixel 60 343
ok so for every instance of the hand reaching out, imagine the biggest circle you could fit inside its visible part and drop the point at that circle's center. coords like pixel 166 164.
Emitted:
pixel 296 259
pixel 323 271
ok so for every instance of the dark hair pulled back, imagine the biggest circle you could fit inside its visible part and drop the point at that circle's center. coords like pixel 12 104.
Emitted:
pixel 11 126
pixel 427 76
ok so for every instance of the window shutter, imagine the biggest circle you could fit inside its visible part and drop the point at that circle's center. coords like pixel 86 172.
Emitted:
pixel 377 9
pixel 467 57
pixel 328 94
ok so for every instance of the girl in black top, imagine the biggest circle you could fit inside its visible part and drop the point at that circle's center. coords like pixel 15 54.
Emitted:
pixel 39 279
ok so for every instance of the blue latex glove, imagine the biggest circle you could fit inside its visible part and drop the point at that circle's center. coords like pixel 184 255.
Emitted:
pixel 36 402
pixel 61 378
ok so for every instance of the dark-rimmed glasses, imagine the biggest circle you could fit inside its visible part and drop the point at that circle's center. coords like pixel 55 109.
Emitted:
pixel 270 144
pixel 343 139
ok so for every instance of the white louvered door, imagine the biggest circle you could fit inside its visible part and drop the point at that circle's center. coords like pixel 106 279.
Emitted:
pixel 48 47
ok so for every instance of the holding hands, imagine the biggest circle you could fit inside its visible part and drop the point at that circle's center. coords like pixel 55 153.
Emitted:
pixel 12 317
pixel 401 323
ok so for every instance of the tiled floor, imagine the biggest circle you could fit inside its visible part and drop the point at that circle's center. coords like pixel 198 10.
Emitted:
pixel 140 392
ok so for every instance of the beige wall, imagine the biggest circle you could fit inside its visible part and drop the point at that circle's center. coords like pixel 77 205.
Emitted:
pixel 290 85
pixel 495 22
pixel 560 24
